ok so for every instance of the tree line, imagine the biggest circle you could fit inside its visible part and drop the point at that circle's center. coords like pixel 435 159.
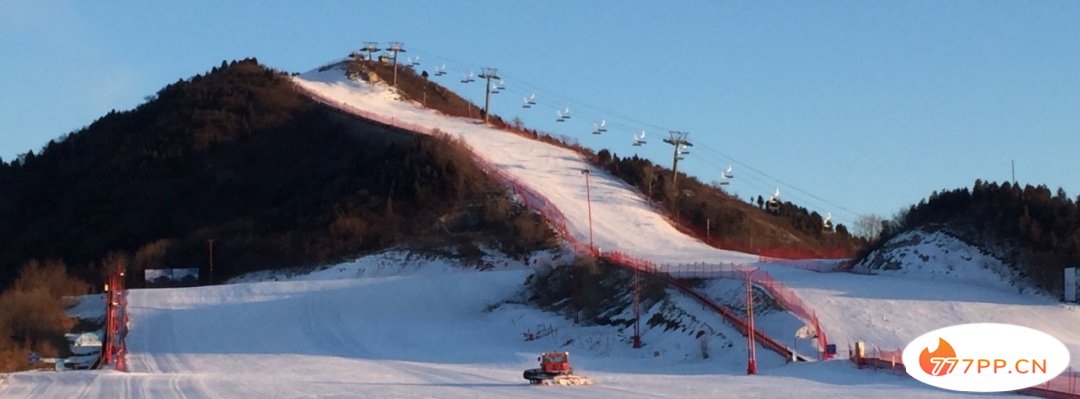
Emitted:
pixel 709 213
pixel 1040 227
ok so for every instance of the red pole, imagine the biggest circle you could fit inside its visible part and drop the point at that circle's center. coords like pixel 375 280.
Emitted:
pixel 107 354
pixel 637 309
pixel 121 322
pixel 751 352
pixel 114 324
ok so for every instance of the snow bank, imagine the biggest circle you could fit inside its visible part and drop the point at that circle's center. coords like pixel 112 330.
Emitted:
pixel 935 255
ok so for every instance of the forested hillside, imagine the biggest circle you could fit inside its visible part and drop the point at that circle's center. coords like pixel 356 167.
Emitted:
pixel 724 221
pixel 238 156
pixel 1033 228
pixel 704 211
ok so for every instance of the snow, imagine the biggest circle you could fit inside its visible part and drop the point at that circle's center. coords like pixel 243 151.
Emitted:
pixel 886 310
pixel 935 255
pixel 362 338
pixel 408 326
pixel 87 307
pixel 622 218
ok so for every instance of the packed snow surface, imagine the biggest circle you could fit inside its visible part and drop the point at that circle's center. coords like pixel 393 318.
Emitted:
pixel 886 310
pixel 457 333
pixel 415 334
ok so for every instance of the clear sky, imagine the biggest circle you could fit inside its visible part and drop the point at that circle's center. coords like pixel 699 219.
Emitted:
pixel 847 107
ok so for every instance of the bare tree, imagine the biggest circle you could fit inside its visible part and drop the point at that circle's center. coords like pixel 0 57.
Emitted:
pixel 868 226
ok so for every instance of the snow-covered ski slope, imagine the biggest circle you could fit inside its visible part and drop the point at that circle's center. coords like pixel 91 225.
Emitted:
pixel 622 219
pixel 375 333
pixel 428 332
pixel 884 310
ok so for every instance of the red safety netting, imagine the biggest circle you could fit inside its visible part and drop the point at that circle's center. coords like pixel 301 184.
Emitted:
pixel 624 260
pixel 538 202
pixel 1064 385
pixel 1067 382
pixel 763 279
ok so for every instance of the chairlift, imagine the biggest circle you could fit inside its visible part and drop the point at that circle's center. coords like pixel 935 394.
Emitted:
pixel 526 103
pixel 827 225
pixel 599 127
pixel 501 85
pixel 684 150
pixel 415 61
pixel 639 138
pixel 559 117
pixel 566 113
pixel 773 204
pixel 532 99
pixel 468 78
pixel 441 70
pixel 726 176
pixel 494 88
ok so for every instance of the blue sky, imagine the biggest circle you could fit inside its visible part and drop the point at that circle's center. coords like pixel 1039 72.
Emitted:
pixel 848 107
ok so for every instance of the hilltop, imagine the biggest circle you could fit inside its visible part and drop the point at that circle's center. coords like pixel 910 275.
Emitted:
pixel 238 156
pixel 705 211
pixel 1031 232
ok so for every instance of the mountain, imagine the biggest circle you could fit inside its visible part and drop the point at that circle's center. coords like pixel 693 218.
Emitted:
pixel 1031 230
pixel 240 157
pixel 705 211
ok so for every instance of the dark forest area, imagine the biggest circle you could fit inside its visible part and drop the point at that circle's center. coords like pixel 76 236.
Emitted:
pixel 1040 227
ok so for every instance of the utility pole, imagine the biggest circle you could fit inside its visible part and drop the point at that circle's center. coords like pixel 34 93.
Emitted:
pixel 588 198
pixel 370 48
pixel 211 242
pixel 488 73
pixel 677 139
pixel 396 47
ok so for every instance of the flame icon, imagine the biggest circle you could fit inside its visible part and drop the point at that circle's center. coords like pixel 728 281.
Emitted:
pixel 944 350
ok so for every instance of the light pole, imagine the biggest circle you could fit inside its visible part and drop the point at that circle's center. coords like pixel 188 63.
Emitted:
pixel 211 242
pixel 588 198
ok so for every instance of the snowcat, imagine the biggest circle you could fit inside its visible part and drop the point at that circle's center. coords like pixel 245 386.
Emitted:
pixel 555 370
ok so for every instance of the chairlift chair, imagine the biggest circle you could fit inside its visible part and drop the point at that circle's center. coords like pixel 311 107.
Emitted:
pixel 599 128
pixel 639 138
pixel 726 176
pixel 827 224
pixel 468 78
pixel 773 204
pixel 526 103
pixel 559 117
pixel 441 70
